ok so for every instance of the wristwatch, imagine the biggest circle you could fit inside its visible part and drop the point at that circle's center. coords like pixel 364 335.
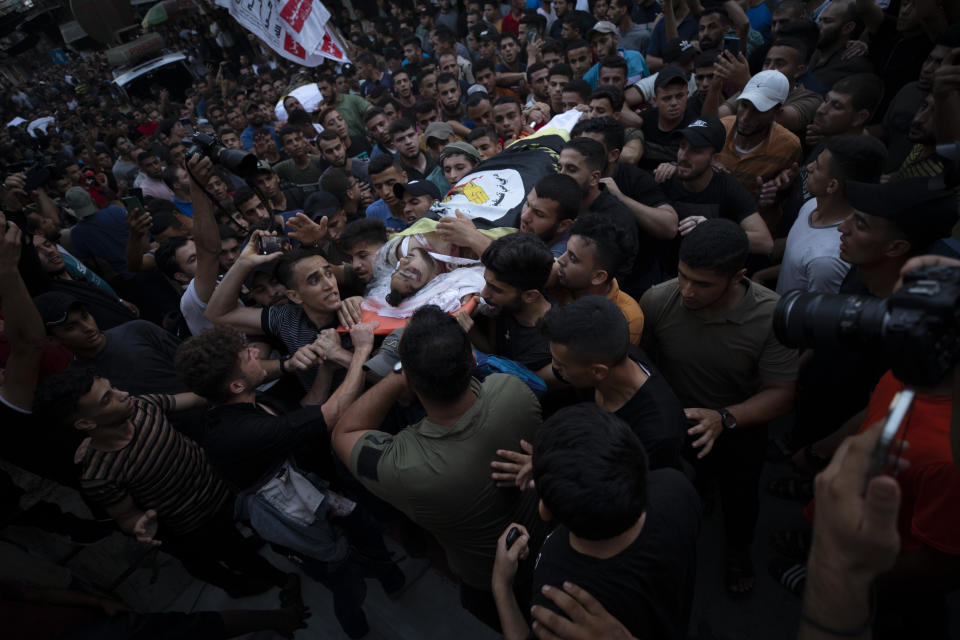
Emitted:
pixel 727 419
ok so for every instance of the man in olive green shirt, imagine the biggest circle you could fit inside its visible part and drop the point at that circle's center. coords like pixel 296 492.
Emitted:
pixel 710 331
pixel 350 106
pixel 437 471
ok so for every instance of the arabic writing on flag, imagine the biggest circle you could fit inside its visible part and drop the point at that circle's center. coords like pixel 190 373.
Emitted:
pixel 298 30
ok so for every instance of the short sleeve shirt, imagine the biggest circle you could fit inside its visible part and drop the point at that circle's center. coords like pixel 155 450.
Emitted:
pixel 439 476
pixel 159 469
pixel 719 359
pixel 289 324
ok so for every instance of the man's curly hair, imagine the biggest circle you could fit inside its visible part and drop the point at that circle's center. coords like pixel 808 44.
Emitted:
pixel 56 398
pixel 207 361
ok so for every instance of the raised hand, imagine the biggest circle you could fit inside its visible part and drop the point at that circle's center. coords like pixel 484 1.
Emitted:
pixel 306 230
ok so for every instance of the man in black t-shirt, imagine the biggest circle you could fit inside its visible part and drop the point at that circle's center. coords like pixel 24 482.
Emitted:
pixel 517 269
pixel 671 114
pixel 591 350
pixel 625 536
pixel 699 193
pixel 584 160
pixel 642 196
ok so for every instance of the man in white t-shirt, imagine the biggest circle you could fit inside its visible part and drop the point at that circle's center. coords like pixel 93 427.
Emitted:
pixel 811 260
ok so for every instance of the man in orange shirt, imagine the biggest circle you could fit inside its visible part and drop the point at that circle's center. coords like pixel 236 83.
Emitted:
pixel 596 251
pixel 760 153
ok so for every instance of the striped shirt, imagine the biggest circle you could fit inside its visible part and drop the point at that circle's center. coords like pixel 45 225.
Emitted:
pixel 159 469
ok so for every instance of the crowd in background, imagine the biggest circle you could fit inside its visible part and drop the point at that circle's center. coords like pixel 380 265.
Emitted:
pixel 187 341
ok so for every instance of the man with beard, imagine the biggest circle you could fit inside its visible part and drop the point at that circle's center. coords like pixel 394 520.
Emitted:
pixel 256 119
pixel 596 252
pixel 894 129
pixel 335 154
pixel 518 267
pixel 762 154
pixel 350 106
pixel 837 24
pixel 786 56
pixel 449 92
pixel 550 208
pixel 280 200
pixel 252 209
pixel 922 160
pixel 699 193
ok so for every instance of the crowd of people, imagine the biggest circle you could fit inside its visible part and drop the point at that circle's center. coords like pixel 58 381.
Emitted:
pixel 197 337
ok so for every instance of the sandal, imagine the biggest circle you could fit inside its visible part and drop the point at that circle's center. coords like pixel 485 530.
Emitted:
pixel 798 489
pixel 739 574
pixel 791 575
pixel 792 543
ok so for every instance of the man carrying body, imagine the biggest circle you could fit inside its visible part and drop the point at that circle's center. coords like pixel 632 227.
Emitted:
pixel 437 471
pixel 595 254
pixel 518 267
pixel 549 209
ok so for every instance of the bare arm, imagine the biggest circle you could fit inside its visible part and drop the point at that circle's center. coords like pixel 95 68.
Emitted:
pixel 187 401
pixel 366 413
pixel 739 19
pixel 222 308
pixel 757 234
pixel 22 323
pixel 660 222
pixel 774 399
pixel 670 21
pixel 137 243
pixel 206 236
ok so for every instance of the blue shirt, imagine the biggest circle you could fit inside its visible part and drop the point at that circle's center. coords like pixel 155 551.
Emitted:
pixel 246 138
pixel 761 20
pixel 186 208
pixel 103 235
pixel 380 210
pixel 636 66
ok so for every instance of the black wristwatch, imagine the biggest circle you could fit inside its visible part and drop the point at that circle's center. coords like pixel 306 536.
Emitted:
pixel 727 419
pixel 283 365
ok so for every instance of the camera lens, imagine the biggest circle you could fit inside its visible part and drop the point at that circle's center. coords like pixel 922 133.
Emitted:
pixel 826 320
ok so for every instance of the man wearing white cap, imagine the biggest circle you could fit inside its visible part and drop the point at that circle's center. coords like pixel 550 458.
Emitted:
pixel 760 153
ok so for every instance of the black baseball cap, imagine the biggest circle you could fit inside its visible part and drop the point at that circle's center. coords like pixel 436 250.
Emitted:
pixel 705 131
pixel 679 51
pixel 668 75
pixel 417 188
pixel 320 204
pixel 55 306
pixel 923 211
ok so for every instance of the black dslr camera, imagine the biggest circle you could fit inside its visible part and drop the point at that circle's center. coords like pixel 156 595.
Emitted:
pixel 916 327
pixel 241 163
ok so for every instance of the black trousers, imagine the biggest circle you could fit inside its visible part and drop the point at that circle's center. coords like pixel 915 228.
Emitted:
pixel 735 464
pixel 218 554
